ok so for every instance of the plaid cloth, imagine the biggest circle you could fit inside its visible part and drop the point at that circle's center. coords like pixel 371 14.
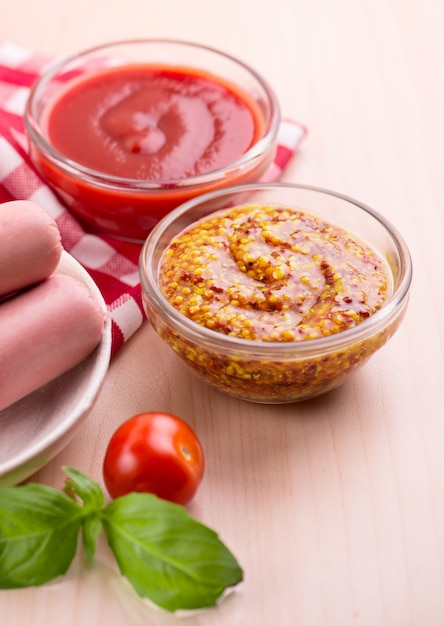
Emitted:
pixel 111 263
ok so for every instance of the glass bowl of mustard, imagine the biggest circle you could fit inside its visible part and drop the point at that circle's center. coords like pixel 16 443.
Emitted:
pixel 275 293
pixel 129 130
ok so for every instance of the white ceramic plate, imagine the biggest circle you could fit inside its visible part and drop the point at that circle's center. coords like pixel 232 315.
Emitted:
pixel 36 428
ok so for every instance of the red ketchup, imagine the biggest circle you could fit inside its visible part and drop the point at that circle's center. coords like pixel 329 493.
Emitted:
pixel 160 127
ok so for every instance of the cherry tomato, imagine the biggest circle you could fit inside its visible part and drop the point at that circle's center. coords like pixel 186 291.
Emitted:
pixel 154 453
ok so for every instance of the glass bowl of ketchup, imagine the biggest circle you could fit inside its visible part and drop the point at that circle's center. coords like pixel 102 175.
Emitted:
pixel 127 131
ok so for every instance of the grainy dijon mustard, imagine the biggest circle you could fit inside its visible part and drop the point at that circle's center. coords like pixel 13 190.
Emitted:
pixel 273 274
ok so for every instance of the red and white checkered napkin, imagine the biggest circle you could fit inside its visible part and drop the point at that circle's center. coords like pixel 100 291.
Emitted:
pixel 111 263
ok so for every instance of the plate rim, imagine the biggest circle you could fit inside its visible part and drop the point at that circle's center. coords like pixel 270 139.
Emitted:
pixel 67 265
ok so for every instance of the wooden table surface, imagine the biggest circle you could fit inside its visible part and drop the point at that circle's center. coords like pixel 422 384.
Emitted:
pixel 334 507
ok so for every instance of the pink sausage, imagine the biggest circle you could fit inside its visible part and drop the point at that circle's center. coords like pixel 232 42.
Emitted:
pixel 30 246
pixel 45 331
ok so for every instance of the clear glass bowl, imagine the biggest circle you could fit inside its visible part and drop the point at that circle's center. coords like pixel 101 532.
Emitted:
pixel 278 372
pixel 130 207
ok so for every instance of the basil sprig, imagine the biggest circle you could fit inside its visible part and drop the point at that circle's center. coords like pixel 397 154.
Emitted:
pixel 166 555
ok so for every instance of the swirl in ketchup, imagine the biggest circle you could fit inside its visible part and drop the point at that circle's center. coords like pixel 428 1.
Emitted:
pixel 152 122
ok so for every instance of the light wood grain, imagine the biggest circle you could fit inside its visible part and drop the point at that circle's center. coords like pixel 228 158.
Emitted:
pixel 334 507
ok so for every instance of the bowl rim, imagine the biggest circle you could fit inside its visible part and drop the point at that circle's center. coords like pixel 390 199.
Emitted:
pixel 255 152
pixel 297 349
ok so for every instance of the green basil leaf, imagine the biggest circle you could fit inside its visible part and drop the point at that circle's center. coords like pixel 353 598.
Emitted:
pixel 88 491
pixel 167 556
pixel 93 499
pixel 90 533
pixel 39 528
